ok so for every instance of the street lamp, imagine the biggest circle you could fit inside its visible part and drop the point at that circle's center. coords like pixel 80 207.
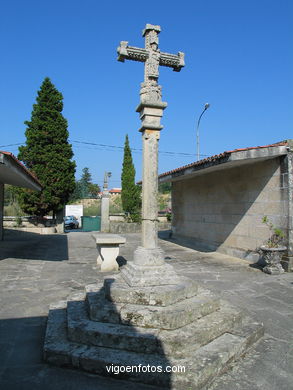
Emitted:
pixel 206 106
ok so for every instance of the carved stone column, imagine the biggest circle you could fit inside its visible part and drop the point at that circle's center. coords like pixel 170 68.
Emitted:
pixel 148 267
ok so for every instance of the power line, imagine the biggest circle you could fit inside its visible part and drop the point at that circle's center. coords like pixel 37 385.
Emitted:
pixel 109 148
pixel 4 146
pixel 133 149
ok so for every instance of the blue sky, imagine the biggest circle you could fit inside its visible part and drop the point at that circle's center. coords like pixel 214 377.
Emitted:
pixel 238 58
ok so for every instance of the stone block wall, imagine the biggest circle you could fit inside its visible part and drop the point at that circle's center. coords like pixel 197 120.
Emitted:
pixel 223 210
pixel 133 227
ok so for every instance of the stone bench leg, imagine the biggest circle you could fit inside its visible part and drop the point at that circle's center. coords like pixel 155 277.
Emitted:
pixel 107 257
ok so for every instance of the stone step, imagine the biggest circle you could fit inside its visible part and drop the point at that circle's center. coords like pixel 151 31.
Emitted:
pixel 186 340
pixel 118 291
pixel 164 317
pixel 214 358
pixel 200 368
pixel 85 331
pixel 176 342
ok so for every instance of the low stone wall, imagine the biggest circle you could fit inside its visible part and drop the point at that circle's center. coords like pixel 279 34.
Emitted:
pixel 133 227
pixel 27 222
pixel 121 218
pixel 38 230
pixel 117 218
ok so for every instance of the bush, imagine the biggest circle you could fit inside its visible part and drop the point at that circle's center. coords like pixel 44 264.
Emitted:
pixel 18 221
pixel 13 210
pixel 92 210
pixel 116 205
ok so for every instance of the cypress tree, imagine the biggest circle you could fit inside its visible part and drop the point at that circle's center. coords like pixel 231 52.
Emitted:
pixel 47 154
pixel 130 194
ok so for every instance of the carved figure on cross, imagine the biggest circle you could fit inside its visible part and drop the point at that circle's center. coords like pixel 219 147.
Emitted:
pixel 153 58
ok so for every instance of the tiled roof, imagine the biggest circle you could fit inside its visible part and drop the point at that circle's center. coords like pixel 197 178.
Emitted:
pixel 219 157
pixel 115 190
pixel 21 166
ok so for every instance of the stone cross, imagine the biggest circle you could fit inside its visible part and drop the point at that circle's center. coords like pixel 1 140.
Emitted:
pixel 149 267
pixel 152 57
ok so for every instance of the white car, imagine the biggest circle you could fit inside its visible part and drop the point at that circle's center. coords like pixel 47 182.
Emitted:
pixel 71 222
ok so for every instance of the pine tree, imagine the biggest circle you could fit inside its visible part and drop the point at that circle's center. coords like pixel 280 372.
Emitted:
pixel 47 154
pixel 84 187
pixel 130 193
pixel 85 181
pixel 87 187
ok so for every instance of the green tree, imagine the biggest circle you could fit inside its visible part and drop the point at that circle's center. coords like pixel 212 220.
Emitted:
pixel 130 194
pixel 47 154
pixel 84 187
pixel 85 182
pixel 77 192
pixel 94 190
pixel 164 188
pixel 10 194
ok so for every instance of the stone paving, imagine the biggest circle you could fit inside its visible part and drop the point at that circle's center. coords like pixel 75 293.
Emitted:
pixel 36 271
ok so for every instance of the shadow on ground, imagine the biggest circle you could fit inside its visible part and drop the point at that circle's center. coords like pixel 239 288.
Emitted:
pixel 33 246
pixel 22 365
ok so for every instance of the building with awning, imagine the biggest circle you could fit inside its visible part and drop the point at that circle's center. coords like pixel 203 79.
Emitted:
pixel 218 203
pixel 13 172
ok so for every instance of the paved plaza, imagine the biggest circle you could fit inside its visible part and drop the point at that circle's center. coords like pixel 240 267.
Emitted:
pixel 36 271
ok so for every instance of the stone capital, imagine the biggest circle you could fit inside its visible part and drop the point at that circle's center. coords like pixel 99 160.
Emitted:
pixel 150 115
pixel 151 105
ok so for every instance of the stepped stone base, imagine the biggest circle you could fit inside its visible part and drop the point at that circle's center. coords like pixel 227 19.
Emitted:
pixel 179 325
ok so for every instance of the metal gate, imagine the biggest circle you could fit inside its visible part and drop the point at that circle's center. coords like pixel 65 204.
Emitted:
pixel 91 224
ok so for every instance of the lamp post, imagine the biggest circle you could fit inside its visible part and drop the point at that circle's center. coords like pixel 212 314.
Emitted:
pixel 206 106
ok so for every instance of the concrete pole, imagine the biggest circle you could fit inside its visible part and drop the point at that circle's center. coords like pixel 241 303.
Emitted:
pixel 105 223
pixel 105 219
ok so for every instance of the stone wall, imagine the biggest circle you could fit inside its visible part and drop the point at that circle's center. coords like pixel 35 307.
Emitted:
pixel 124 227
pixel 223 210
pixel 38 230
pixel 28 222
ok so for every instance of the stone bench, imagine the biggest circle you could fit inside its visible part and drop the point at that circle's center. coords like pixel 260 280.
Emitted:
pixel 108 249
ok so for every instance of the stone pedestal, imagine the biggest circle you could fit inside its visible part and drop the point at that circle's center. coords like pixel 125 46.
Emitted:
pixel 272 257
pixel 108 250
pixel 287 263
pixel 149 269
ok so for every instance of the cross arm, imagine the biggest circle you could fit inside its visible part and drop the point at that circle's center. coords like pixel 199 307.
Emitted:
pixel 126 52
pixel 172 61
